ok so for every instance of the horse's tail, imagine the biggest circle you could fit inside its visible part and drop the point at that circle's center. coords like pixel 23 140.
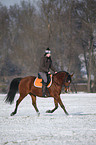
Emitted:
pixel 12 90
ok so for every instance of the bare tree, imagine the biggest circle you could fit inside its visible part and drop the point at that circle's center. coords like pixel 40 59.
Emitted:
pixel 65 26
pixel 88 17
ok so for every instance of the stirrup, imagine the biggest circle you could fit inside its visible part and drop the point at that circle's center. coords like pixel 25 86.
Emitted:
pixel 44 95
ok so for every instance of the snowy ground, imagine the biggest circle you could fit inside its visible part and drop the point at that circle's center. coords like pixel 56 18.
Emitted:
pixel 26 128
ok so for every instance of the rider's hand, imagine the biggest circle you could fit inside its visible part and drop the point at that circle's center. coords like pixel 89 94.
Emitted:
pixel 49 72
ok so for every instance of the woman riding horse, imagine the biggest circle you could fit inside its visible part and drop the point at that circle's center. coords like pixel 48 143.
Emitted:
pixel 26 86
pixel 44 69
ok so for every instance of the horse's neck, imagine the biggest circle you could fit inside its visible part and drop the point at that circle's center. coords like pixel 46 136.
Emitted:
pixel 59 77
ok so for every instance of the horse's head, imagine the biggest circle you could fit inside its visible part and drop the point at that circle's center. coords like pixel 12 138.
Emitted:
pixel 67 82
pixel 63 78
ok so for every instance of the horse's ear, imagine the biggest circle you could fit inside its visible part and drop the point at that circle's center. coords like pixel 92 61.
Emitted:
pixel 72 75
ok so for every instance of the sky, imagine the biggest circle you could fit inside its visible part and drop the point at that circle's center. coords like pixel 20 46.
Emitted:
pixel 12 2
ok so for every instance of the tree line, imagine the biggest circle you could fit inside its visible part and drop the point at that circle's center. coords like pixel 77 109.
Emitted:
pixel 67 27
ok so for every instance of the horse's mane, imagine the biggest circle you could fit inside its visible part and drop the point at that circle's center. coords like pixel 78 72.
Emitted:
pixel 61 72
pixel 68 78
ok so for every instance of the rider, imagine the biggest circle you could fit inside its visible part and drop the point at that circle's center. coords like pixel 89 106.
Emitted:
pixel 44 69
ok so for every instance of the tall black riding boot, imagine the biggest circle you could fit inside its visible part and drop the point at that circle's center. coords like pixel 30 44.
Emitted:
pixel 44 88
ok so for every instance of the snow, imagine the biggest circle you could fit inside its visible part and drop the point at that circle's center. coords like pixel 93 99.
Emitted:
pixel 26 128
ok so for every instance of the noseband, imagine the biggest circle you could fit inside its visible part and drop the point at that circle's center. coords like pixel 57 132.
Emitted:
pixel 65 85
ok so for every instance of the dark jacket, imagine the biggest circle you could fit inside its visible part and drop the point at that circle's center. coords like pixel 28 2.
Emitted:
pixel 46 64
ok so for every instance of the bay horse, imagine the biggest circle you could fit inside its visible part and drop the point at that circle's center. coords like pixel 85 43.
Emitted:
pixel 26 86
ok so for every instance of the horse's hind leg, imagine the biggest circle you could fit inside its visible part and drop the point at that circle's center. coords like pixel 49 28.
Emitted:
pixel 34 104
pixel 17 104
pixel 56 106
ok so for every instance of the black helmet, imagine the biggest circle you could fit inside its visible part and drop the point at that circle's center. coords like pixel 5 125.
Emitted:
pixel 47 51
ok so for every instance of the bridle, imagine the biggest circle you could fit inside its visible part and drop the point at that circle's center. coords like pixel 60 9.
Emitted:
pixel 65 83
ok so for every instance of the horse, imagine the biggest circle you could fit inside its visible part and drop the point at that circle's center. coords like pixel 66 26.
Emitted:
pixel 26 86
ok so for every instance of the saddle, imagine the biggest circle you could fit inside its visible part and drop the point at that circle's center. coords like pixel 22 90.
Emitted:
pixel 38 82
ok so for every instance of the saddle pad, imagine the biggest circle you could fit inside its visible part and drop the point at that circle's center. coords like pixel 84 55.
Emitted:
pixel 38 82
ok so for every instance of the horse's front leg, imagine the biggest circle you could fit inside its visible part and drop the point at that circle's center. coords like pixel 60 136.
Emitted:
pixel 34 104
pixel 61 104
pixel 56 106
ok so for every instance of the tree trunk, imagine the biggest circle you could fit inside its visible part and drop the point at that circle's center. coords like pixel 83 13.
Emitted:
pixel 90 65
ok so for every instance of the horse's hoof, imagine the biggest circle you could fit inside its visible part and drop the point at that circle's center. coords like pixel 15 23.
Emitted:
pixel 67 113
pixel 48 111
pixel 38 114
pixel 12 114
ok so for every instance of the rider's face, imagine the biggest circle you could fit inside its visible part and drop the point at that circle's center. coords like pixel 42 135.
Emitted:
pixel 48 55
